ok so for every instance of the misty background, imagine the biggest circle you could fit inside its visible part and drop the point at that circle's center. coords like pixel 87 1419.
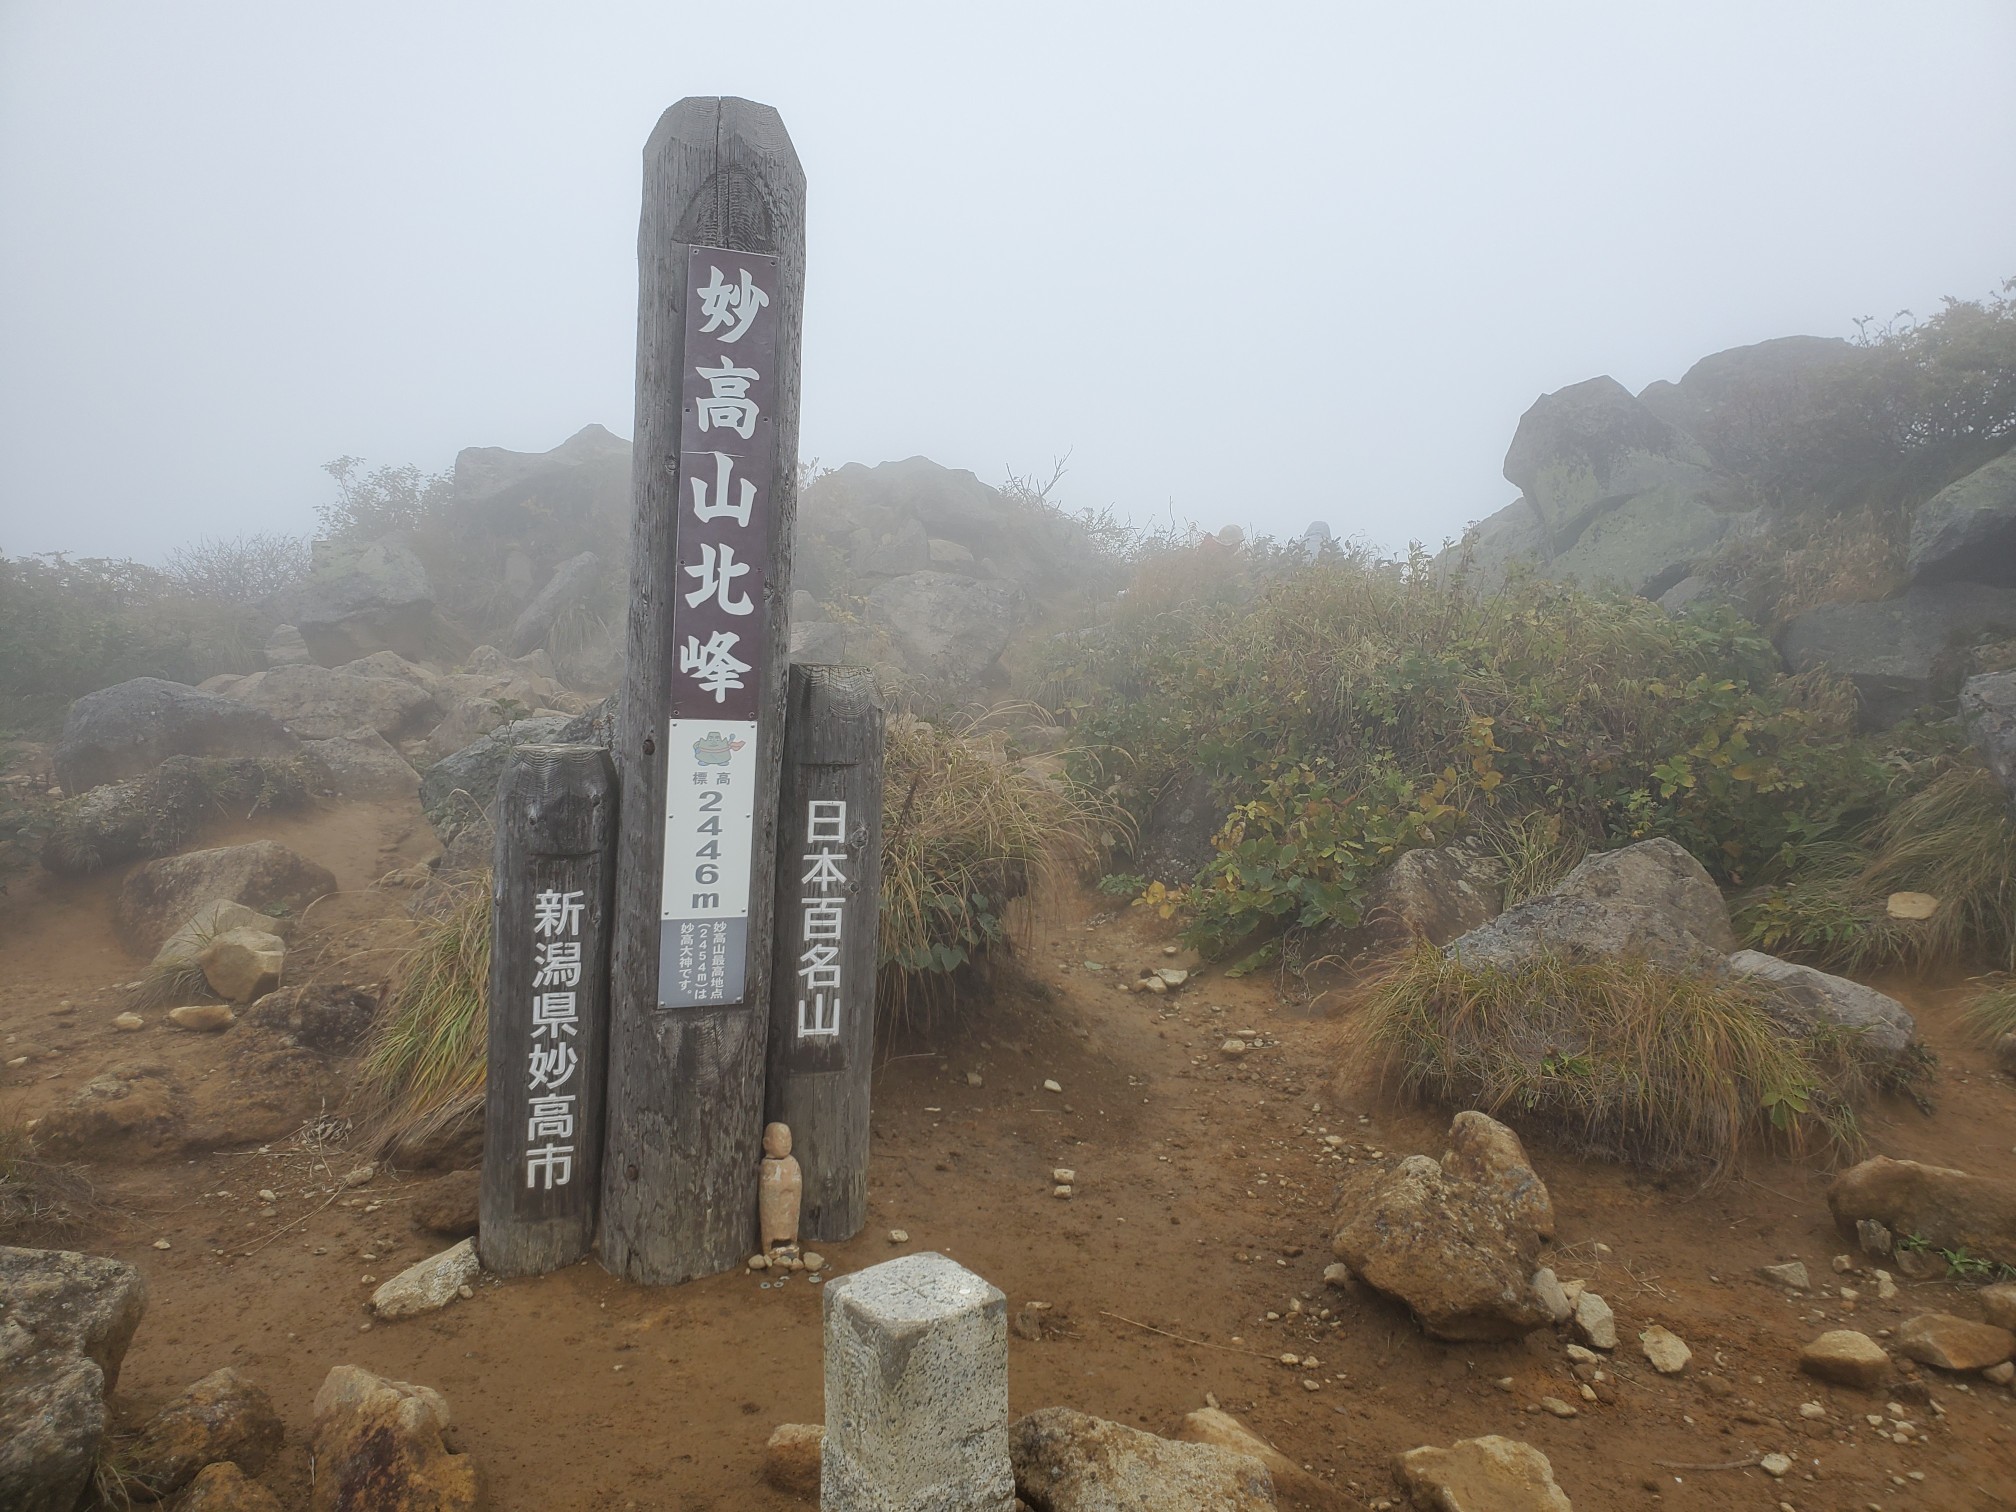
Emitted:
pixel 1263 264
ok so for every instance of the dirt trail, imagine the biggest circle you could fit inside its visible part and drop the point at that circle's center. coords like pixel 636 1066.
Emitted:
pixel 1204 1189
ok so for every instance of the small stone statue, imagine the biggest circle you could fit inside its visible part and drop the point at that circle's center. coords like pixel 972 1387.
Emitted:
pixel 779 1192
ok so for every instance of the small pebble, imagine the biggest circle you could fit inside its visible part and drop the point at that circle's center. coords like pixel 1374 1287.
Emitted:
pixel 1051 1086
pixel 162 1244
pixel 814 1263
pixel 1063 1176
pixel 1774 1465
pixel 126 1023
pixel 899 1236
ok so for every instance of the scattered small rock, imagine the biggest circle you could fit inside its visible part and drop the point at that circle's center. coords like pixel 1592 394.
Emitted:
pixel 1792 1274
pixel 1998 1304
pixel 223 1417
pixel 204 1018
pixel 791 1458
pixel 899 1236
pixel 1775 1465
pixel 1595 1323
pixel 1232 1049
pixel 1667 1351
pixel 378 1443
pixel 1051 1086
pixel 429 1284
pixel 1554 1405
pixel 126 1023
pixel 1553 1296
pixel 1846 1358
pixel 1490 1474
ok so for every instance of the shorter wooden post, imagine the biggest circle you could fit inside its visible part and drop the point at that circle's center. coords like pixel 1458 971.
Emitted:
pixel 549 1008
pixel 822 984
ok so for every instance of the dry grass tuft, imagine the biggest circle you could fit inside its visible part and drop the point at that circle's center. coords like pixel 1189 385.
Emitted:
pixel 41 1199
pixel 423 1068
pixel 1618 1058
pixel 966 830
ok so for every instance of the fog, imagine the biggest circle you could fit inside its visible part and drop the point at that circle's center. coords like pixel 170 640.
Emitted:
pixel 1253 263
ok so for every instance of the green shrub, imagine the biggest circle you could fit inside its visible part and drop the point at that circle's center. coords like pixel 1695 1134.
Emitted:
pixel 1617 1058
pixel 1349 709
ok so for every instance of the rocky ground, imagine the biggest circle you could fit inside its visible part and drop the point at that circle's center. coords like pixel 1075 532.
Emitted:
pixel 1185 1271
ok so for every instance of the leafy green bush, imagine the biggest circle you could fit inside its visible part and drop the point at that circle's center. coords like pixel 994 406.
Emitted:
pixel 68 628
pixel 1349 709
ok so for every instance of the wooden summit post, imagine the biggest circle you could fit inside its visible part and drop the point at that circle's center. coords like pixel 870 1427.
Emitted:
pixel 829 889
pixel 549 1008
pixel 721 278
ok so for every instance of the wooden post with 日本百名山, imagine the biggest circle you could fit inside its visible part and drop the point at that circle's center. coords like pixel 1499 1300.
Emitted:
pixel 551 887
pixel 699 741
pixel 822 990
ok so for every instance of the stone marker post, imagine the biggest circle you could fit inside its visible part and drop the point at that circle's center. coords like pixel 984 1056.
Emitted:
pixel 916 1391
pixel 549 1007
pixel 721 278
pixel 822 989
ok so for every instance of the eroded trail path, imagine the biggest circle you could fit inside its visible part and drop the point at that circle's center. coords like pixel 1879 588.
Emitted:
pixel 1188 1261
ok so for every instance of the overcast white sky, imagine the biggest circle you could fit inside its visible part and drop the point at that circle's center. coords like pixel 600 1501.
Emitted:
pixel 1249 262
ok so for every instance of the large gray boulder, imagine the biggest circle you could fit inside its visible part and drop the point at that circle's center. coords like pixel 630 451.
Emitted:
pixel 264 875
pixel 323 703
pixel 588 474
pixel 1755 408
pixel 88 1305
pixel 52 1425
pixel 459 790
pixel 1650 901
pixel 1456 1240
pixel 1805 1001
pixel 1898 652
pixel 360 597
pixel 1648 543
pixel 944 627
pixel 1661 875
pixel 1436 894
pixel 1988 710
pixel 361 764
pixel 1588 448
pixel 1069 1461
pixel 1967 531
pixel 129 729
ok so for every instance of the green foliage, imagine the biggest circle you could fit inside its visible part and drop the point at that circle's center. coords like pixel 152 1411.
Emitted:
pixel 1348 709
pixel 1618 1058
pixel 387 501
pixel 68 628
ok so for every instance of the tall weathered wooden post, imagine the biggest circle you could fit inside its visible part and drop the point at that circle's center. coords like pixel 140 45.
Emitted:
pixel 549 1008
pixel 829 887
pixel 721 277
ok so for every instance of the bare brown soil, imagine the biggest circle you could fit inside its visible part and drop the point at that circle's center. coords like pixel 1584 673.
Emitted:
pixel 1199 1222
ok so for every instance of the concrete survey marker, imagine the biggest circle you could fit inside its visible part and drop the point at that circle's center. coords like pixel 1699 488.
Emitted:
pixel 916 1390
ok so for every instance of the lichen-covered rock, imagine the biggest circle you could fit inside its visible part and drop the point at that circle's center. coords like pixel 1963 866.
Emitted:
pixel 360 763
pixel 129 729
pixel 428 1284
pixel 1988 710
pixel 1967 531
pixel 378 1448
pixel 226 1488
pixel 1805 1000
pixel 324 703
pixel 264 875
pixel 1948 1209
pixel 1455 1241
pixel 1488 1474
pixel 1897 652
pixel 73 1303
pixel 1660 875
pixel 1577 930
pixel 52 1425
pixel 223 1417
pixel 1436 894
pixel 1067 1461
pixel 361 597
